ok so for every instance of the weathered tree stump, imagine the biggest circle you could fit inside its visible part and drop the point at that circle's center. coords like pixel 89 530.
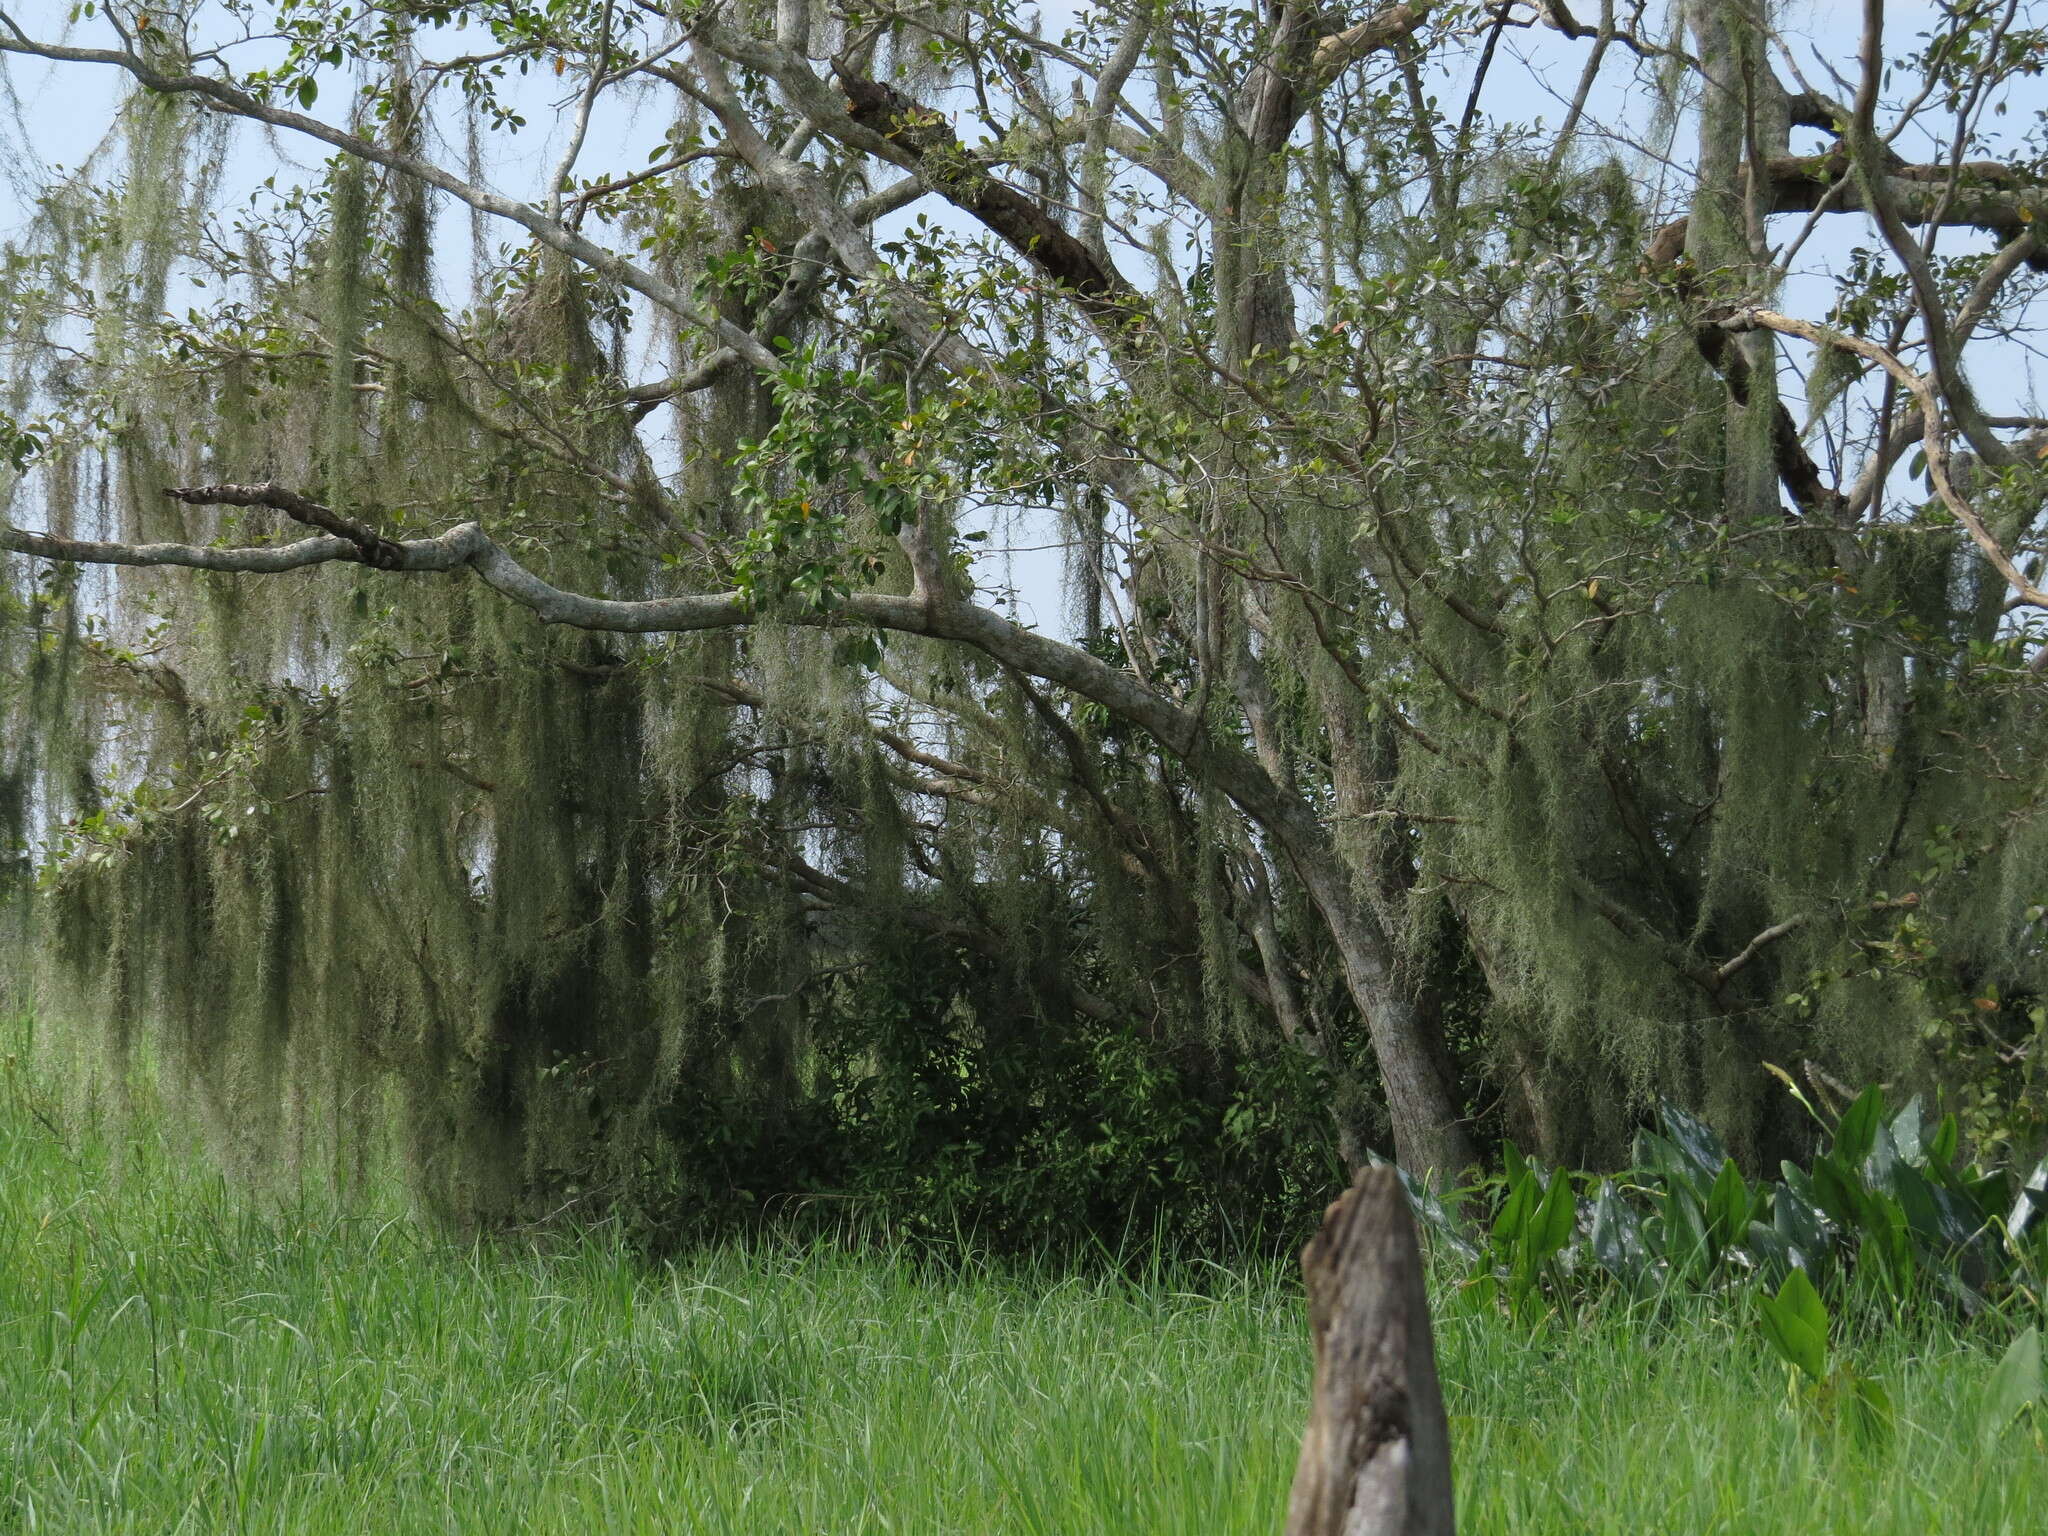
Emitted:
pixel 1376 1460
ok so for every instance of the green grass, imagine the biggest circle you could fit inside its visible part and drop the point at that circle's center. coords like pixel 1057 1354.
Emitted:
pixel 174 1357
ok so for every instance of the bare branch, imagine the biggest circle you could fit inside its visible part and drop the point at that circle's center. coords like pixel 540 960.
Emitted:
pixel 1769 936
pixel 945 166
pixel 1933 438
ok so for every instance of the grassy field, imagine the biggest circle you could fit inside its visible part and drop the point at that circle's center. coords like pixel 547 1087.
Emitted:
pixel 175 1358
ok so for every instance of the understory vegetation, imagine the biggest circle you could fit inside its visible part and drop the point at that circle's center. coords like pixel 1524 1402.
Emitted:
pixel 179 1356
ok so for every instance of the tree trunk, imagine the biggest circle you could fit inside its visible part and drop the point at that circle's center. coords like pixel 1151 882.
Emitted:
pixel 1376 1460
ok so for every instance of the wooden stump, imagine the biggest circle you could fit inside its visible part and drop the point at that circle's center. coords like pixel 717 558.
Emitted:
pixel 1376 1460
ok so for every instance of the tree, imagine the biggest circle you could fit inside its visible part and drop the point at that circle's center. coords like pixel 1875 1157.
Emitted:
pixel 1482 683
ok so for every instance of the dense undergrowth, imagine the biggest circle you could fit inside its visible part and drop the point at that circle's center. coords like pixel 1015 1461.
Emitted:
pixel 1888 1207
pixel 176 1355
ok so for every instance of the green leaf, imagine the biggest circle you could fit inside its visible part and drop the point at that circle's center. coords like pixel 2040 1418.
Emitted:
pixel 1887 1247
pixel 1796 1323
pixel 1857 1133
pixel 1769 1248
pixel 1798 1219
pixel 1909 1130
pixel 1942 1149
pixel 1939 1217
pixel 1617 1237
pixel 1798 1292
pixel 1514 1215
pixel 1685 1232
pixel 1552 1227
pixel 861 650
pixel 1695 1139
pixel 309 92
pixel 1838 1191
pixel 2014 1383
pixel 1728 1207
pixel 1438 1218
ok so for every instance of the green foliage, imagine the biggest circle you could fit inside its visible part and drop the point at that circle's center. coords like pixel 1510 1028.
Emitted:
pixel 2015 1388
pixel 936 1108
pixel 1795 1322
pixel 1886 1213
pixel 829 487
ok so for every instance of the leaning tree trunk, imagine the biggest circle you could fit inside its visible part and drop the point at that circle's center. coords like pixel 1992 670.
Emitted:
pixel 1376 1460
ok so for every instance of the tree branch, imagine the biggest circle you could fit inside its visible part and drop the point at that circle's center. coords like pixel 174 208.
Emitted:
pixel 1769 936
pixel 372 548
pixel 944 165
pixel 1992 197
pixel 1933 439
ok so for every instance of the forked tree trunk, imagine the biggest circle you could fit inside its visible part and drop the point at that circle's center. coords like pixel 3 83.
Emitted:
pixel 1376 1460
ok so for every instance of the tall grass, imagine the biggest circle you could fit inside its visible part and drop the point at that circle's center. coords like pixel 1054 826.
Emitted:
pixel 177 1357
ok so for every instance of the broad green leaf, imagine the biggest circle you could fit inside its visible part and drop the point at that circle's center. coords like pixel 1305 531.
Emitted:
pixel 1438 1218
pixel 1884 1160
pixel 1798 1293
pixel 1888 1245
pixel 1728 1206
pixel 1797 1180
pixel 1939 1217
pixel 1552 1227
pixel 1617 1237
pixel 1989 1192
pixel 1795 1216
pixel 1685 1230
pixel 1514 1215
pixel 1791 1326
pixel 1857 1132
pixel 2014 1383
pixel 1908 1130
pixel 1695 1139
pixel 1838 1191
pixel 1947 1135
pixel 1768 1247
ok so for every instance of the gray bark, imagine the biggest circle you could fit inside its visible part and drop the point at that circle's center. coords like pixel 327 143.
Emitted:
pixel 1376 1460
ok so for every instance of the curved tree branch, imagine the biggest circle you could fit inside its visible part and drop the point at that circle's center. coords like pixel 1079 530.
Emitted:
pixel 1932 438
